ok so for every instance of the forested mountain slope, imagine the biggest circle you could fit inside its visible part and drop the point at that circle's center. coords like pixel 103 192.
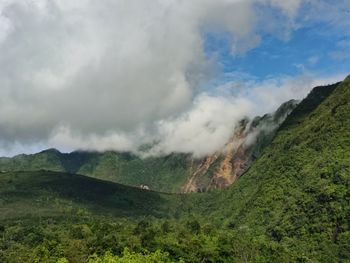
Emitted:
pixel 295 199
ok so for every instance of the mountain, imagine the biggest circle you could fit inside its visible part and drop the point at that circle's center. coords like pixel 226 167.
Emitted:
pixel 172 173
pixel 294 201
pixel 222 168
pixel 291 205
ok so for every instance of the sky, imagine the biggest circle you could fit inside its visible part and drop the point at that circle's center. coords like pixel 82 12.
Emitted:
pixel 117 74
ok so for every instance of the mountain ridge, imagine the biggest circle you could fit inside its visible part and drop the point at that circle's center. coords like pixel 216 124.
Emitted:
pixel 175 172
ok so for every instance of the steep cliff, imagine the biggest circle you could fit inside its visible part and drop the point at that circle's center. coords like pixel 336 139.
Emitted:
pixel 246 144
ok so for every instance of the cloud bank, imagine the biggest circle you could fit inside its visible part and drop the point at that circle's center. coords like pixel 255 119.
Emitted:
pixel 116 74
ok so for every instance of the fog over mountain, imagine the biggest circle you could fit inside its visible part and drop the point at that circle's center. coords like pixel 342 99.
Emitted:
pixel 117 74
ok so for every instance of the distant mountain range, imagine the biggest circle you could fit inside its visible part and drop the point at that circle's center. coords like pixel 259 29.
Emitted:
pixel 172 173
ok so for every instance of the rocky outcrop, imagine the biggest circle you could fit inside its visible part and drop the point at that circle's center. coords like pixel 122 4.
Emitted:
pixel 247 143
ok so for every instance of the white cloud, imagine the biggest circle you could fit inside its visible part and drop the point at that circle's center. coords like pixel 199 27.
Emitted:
pixel 342 50
pixel 108 66
pixel 114 74
pixel 208 123
pixel 313 60
pixel 334 13
pixel 65 138
pixel 267 95
pixel 206 127
pixel 289 7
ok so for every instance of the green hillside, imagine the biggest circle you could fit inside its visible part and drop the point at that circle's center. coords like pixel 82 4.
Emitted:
pixel 45 216
pixel 292 205
pixel 294 202
pixel 27 193
pixel 166 173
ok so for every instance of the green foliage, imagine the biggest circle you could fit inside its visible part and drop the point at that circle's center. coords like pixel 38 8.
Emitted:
pixel 193 226
pixel 132 257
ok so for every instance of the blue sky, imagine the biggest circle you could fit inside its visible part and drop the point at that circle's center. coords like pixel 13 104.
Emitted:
pixel 320 48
